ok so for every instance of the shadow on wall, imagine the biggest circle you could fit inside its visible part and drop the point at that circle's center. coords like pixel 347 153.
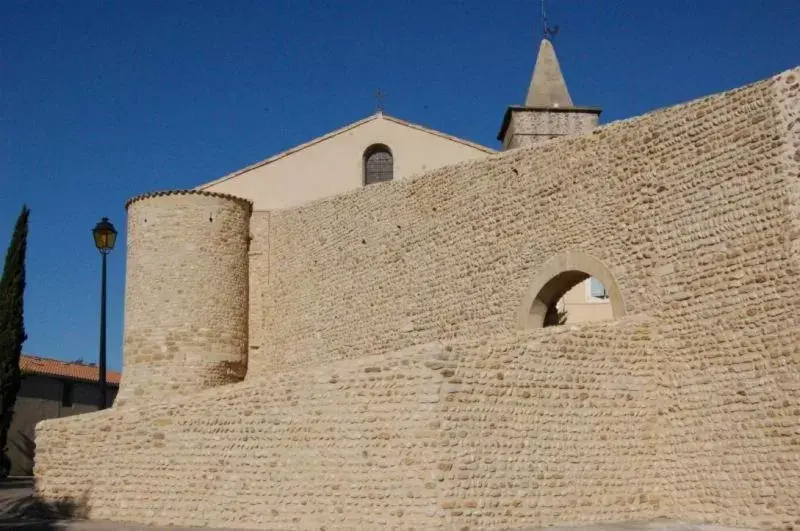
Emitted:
pixel 26 447
pixel 21 509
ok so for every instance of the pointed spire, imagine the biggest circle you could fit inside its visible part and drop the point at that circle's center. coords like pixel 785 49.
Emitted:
pixel 548 88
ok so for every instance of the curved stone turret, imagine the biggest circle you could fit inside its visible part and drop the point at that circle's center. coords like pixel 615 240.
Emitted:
pixel 186 298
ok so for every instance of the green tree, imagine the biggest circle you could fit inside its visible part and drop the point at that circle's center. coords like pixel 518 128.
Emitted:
pixel 12 329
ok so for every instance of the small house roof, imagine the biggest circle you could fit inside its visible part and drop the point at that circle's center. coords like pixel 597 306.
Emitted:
pixel 65 370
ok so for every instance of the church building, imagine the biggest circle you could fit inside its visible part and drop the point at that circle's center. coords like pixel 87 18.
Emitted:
pixel 321 347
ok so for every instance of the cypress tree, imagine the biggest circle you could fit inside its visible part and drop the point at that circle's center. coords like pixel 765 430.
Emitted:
pixel 12 328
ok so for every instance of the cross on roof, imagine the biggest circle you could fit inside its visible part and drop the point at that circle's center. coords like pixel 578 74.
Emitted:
pixel 547 30
pixel 379 99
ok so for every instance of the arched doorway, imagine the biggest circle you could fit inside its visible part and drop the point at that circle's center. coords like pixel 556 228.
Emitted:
pixel 559 275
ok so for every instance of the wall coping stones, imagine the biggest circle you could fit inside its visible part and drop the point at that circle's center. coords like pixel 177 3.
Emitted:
pixel 149 195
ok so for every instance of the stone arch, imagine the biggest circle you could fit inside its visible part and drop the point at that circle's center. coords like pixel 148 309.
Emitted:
pixel 559 275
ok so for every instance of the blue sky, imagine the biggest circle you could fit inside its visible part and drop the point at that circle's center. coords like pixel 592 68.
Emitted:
pixel 103 100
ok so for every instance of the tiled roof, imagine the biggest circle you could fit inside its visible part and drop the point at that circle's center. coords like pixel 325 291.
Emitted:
pixel 65 369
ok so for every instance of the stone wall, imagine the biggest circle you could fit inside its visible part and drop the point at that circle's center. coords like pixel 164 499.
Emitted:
pixel 552 426
pixel 730 330
pixel 186 294
pixel 387 385
pixel 475 432
pixel 680 205
pixel 524 126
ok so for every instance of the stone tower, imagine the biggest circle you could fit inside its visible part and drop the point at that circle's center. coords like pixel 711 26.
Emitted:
pixel 548 111
pixel 186 294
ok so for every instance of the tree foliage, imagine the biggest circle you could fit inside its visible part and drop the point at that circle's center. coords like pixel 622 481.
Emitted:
pixel 555 317
pixel 12 328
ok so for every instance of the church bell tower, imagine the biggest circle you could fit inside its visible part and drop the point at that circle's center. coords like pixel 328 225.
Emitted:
pixel 548 111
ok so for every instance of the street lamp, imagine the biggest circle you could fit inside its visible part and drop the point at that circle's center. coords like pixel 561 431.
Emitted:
pixel 104 238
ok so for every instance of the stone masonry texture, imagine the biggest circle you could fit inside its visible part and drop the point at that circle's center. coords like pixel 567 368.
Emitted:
pixel 387 382
pixel 530 125
pixel 186 295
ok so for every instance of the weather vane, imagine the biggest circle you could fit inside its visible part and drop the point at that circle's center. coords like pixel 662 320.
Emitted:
pixel 547 30
pixel 379 97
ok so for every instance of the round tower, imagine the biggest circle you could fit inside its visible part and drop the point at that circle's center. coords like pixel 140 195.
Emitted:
pixel 186 294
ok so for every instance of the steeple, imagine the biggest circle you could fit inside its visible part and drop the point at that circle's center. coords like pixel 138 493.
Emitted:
pixel 548 111
pixel 548 88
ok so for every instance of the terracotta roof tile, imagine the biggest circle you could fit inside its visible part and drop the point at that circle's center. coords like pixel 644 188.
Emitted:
pixel 65 369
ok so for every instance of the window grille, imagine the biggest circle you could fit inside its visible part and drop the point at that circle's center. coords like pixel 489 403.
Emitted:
pixel 378 165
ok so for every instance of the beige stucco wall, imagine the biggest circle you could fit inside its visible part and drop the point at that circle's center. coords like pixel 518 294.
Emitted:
pixel 391 387
pixel 582 308
pixel 335 164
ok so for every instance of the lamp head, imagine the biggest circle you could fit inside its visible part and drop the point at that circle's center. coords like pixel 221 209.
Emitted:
pixel 105 236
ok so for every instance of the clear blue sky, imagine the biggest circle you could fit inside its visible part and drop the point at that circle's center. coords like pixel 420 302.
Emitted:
pixel 101 101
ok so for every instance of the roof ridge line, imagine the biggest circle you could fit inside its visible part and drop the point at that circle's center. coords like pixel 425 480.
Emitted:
pixel 436 132
pixel 336 132
pixel 67 370
pixel 287 152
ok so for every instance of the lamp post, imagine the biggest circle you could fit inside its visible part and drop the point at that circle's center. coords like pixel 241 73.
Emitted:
pixel 104 238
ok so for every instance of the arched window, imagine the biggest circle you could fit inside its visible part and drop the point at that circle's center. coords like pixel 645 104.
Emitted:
pixel 378 164
pixel 540 306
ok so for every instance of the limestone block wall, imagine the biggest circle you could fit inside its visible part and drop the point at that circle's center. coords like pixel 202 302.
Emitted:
pixel 445 255
pixel 557 425
pixel 686 207
pixel 551 427
pixel 730 325
pixel 525 126
pixel 260 273
pixel 186 294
